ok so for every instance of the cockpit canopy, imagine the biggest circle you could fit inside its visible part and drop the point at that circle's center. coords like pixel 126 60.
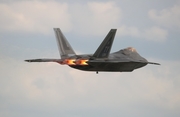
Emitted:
pixel 131 52
pixel 131 49
pixel 128 50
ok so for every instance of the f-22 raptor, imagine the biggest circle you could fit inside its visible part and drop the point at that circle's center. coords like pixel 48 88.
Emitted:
pixel 124 60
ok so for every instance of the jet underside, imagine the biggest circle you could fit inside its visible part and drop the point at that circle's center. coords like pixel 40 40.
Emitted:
pixel 125 60
pixel 110 67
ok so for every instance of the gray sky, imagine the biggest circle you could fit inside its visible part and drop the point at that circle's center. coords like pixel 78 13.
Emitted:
pixel 51 90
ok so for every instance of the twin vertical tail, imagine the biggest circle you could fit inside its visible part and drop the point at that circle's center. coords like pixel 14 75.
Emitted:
pixel 65 48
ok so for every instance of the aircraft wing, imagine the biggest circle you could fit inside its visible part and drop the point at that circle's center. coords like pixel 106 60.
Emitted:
pixel 43 60
pixel 105 47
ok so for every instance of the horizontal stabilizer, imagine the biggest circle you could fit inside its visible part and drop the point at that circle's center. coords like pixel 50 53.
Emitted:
pixel 105 47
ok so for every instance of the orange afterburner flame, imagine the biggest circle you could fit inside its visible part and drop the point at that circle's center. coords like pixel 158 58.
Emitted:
pixel 69 61
pixel 74 62
pixel 81 62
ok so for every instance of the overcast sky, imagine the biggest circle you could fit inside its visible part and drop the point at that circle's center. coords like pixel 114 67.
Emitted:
pixel 53 90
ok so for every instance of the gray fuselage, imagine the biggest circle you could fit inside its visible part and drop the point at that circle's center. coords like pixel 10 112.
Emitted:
pixel 125 60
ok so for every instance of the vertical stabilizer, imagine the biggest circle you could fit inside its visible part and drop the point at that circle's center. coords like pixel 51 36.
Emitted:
pixel 105 47
pixel 65 48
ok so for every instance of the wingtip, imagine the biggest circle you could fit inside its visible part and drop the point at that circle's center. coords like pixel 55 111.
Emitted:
pixel 27 60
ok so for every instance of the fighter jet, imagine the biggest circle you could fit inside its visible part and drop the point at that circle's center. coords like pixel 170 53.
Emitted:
pixel 124 60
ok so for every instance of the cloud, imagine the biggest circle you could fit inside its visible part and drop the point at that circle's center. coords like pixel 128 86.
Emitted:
pixel 154 33
pixel 52 88
pixel 95 18
pixel 37 16
pixel 34 16
pixel 169 17
pixel 92 18
pixel 132 31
